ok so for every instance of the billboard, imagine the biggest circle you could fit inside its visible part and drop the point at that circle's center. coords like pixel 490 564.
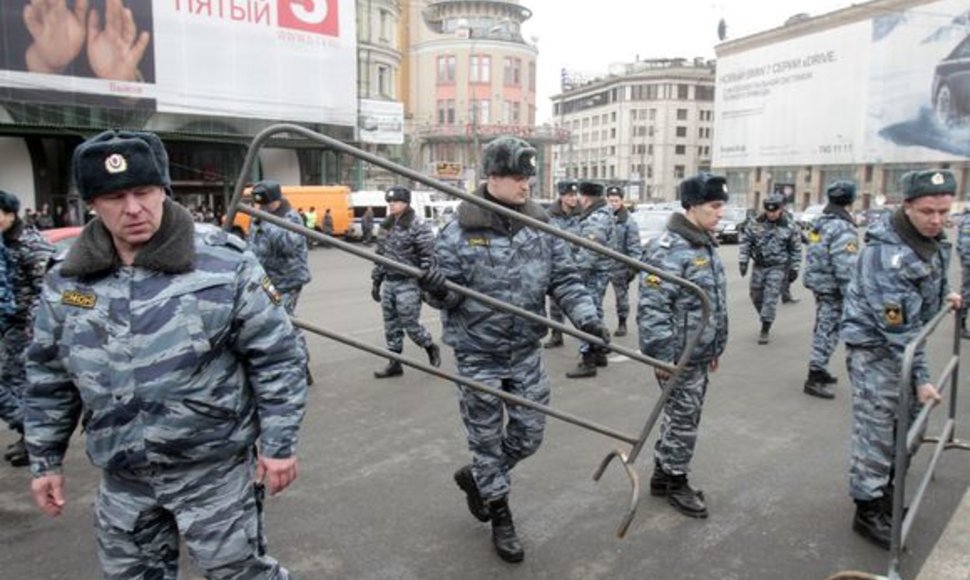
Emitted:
pixel 894 88
pixel 287 60
pixel 381 122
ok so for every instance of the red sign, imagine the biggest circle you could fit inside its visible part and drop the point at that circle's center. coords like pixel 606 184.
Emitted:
pixel 315 16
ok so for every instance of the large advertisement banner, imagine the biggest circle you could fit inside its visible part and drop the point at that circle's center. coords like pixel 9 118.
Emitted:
pixel 288 60
pixel 894 88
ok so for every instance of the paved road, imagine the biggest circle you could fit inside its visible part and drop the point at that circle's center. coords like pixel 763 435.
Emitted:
pixel 375 499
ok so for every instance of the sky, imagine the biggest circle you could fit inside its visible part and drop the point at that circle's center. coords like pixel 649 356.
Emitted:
pixel 589 36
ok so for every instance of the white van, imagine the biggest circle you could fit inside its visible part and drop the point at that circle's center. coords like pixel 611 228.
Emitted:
pixel 434 211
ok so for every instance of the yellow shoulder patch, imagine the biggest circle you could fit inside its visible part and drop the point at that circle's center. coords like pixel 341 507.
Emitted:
pixel 79 299
pixel 271 290
pixel 814 237
pixel 701 261
pixel 892 313
pixel 652 280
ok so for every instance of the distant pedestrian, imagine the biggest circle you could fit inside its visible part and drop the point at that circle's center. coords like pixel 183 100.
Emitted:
pixel 367 226
pixel 327 225
pixel 564 214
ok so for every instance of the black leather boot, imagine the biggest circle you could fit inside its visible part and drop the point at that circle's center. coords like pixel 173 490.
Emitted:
pixel 434 355
pixel 871 522
pixel 585 369
pixel 507 544
pixel 393 369
pixel 599 357
pixel 659 481
pixel 816 386
pixel 555 339
pixel 466 481
pixel 620 328
pixel 827 377
pixel 765 329
pixel 684 498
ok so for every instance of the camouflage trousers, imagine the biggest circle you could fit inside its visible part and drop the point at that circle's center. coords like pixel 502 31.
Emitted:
pixel 680 420
pixel 765 290
pixel 825 336
pixel 874 373
pixel 555 312
pixel 290 299
pixel 620 280
pixel 401 307
pixel 498 444
pixel 215 508
pixel 596 283
pixel 965 286
pixel 13 374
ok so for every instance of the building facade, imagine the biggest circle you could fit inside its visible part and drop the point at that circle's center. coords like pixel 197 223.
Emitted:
pixel 645 126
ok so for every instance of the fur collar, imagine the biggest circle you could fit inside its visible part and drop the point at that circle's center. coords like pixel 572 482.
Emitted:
pixel 471 216
pixel 600 202
pixel 171 250
pixel 924 247
pixel 622 215
pixel 406 219
pixel 680 225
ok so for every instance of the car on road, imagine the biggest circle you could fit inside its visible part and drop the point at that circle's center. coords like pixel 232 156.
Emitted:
pixel 807 217
pixel 950 92
pixel 650 223
pixel 731 227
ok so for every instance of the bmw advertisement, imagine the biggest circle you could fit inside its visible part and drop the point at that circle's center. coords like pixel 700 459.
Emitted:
pixel 893 87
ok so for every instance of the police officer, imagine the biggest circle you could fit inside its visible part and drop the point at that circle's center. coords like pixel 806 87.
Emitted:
pixel 773 243
pixel 899 285
pixel 406 238
pixel 596 224
pixel 282 253
pixel 508 260
pixel 28 253
pixel 564 215
pixel 963 249
pixel 626 240
pixel 667 314
pixel 786 295
pixel 169 342
pixel 833 245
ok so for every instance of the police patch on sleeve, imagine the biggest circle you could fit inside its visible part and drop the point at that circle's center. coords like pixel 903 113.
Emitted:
pixel 271 290
pixel 892 313
pixel 478 242
pixel 652 281
pixel 852 248
pixel 814 237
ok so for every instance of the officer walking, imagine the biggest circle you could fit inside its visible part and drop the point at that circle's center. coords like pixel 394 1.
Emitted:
pixel 833 245
pixel 508 260
pixel 28 253
pixel 963 249
pixel 405 238
pixel 626 240
pixel 899 285
pixel 564 215
pixel 167 340
pixel 667 314
pixel 596 224
pixel 773 243
pixel 786 295
pixel 282 253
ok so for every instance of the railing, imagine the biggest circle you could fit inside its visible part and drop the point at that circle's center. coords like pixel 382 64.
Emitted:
pixel 628 458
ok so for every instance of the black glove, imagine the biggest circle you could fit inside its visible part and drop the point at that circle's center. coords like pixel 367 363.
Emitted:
pixel 433 282
pixel 631 273
pixel 596 328
pixel 375 291
pixel 744 269
pixel 792 275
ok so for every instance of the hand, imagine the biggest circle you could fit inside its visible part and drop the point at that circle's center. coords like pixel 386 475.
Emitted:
pixel 433 282
pixel 792 275
pixel 955 300
pixel 115 51
pixel 48 492
pixel 661 374
pixel 926 393
pixel 275 474
pixel 743 268
pixel 596 328
pixel 58 34
pixel 714 365
pixel 375 291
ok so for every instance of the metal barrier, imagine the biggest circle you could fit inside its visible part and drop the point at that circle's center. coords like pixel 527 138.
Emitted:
pixel 908 441
pixel 637 442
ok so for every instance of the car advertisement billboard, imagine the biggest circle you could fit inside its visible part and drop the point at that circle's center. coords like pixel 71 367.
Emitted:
pixel 287 60
pixel 891 88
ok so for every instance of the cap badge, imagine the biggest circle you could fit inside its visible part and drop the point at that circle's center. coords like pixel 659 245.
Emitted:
pixel 724 187
pixel 115 163
pixel 937 179
pixel 532 160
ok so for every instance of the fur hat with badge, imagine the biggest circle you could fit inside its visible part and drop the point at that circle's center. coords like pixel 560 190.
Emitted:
pixel 118 160
pixel 928 182
pixel 266 191
pixel 773 202
pixel 614 191
pixel 9 203
pixel 509 156
pixel 567 187
pixel 702 188
pixel 841 192
pixel 398 193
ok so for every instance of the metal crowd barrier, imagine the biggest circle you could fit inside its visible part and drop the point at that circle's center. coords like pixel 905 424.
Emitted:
pixel 627 458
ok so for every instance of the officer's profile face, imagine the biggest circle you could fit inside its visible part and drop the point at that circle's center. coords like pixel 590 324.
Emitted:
pixel 510 189
pixel 396 208
pixel 706 215
pixel 929 213
pixel 6 220
pixel 132 216
pixel 774 212
pixel 615 201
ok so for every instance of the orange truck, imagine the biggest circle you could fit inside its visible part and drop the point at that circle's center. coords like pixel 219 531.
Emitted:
pixel 336 198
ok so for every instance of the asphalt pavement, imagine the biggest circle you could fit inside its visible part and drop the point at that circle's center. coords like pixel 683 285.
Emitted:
pixel 375 498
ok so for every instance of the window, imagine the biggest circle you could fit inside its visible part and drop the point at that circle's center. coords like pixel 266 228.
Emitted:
pixel 478 111
pixel 446 70
pixel 649 171
pixel 513 71
pixel 650 149
pixel 653 114
pixel 650 131
pixel 678 171
pixel 385 26
pixel 480 68
pixel 532 75
pixel 681 131
pixel 682 92
pixel 681 114
pixel 446 112
pixel 384 81
pixel 704 93
pixel 680 149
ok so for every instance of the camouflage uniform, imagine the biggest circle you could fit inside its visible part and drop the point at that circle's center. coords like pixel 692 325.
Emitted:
pixel 176 366
pixel 28 253
pixel 626 240
pixel 567 222
pixel 775 248
pixel 595 224
pixel 963 250
pixel 408 240
pixel 833 245
pixel 666 315
pixel 519 265
pixel 898 286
